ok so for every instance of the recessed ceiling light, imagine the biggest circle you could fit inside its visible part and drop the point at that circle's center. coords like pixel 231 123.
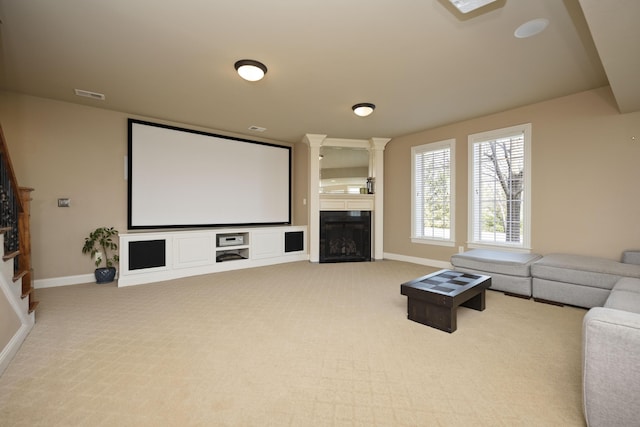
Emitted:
pixel 465 6
pixel 531 28
pixel 363 109
pixel 250 70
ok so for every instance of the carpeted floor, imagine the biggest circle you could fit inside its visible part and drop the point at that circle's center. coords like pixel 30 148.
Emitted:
pixel 296 344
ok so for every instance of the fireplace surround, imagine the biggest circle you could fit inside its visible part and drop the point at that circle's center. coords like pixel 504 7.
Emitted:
pixel 345 236
pixel 317 202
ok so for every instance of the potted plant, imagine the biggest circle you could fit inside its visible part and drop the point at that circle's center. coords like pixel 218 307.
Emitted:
pixel 98 245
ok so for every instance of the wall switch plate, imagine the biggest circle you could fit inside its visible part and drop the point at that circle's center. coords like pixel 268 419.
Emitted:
pixel 64 203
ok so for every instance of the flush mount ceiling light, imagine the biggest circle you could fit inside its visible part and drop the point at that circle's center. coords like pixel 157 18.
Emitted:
pixel 531 28
pixel 250 70
pixel 466 6
pixel 363 109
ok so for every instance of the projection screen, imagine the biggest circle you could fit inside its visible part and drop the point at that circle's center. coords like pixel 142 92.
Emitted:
pixel 186 178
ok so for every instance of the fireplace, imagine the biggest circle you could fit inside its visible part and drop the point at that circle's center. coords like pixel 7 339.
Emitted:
pixel 345 236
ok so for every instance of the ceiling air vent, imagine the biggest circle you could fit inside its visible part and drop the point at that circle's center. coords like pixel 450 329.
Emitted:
pixel 465 6
pixel 257 128
pixel 88 94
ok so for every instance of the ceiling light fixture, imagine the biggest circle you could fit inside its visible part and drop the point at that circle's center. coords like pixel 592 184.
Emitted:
pixel 363 109
pixel 250 70
pixel 466 6
pixel 531 28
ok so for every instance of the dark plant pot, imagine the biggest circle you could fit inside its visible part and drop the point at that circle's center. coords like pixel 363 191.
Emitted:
pixel 105 274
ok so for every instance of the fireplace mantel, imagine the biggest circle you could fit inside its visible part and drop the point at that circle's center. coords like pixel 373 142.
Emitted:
pixel 316 200
pixel 347 202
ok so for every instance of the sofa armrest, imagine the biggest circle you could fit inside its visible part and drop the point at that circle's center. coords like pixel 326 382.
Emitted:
pixel 611 367
pixel 631 257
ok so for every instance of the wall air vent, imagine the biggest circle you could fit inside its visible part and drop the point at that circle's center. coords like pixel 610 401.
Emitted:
pixel 257 128
pixel 88 94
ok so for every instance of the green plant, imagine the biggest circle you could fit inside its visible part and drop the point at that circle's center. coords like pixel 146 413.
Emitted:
pixel 100 242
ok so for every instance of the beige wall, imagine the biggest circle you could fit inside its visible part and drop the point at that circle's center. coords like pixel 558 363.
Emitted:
pixel 585 176
pixel 67 150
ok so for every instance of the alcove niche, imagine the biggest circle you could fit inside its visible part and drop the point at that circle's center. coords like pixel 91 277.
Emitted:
pixel 344 193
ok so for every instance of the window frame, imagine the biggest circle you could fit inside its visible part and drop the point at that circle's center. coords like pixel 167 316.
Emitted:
pixel 482 137
pixel 449 144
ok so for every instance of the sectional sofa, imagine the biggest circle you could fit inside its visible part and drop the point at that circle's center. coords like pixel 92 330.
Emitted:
pixel 611 328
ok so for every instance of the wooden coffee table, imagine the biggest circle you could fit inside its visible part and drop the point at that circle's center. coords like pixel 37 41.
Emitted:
pixel 433 299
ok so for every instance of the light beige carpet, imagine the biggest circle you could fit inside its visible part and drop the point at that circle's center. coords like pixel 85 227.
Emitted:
pixel 296 344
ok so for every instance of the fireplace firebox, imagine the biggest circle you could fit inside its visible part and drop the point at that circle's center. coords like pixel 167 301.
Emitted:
pixel 345 236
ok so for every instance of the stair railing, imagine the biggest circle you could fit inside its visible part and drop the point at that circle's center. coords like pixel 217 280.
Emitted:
pixel 10 201
pixel 14 222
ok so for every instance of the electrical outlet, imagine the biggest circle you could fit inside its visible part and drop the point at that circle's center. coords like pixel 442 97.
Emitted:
pixel 460 249
pixel 64 203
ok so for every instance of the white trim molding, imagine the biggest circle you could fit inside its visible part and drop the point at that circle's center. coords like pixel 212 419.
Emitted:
pixel 416 260
pixel 64 281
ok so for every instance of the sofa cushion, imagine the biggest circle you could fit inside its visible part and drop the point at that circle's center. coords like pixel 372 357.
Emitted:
pixel 584 270
pixel 624 300
pixel 493 261
pixel 630 284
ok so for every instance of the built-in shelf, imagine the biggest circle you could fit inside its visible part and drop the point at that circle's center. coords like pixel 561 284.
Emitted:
pixel 232 246
pixel 173 254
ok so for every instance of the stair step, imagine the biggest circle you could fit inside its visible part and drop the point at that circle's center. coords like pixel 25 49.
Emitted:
pixel 11 255
pixel 20 275
pixel 33 305
pixel 26 293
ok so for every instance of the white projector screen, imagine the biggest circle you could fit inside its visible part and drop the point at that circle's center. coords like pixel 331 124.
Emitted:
pixel 185 178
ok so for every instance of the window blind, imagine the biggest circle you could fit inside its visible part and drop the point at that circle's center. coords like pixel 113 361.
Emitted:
pixel 498 189
pixel 432 203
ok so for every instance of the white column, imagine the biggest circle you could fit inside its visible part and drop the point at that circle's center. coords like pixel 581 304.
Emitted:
pixel 315 142
pixel 377 154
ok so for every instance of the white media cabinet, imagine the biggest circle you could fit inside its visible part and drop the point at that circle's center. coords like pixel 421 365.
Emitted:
pixel 147 257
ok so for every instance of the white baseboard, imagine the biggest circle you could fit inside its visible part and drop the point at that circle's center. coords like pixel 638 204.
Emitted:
pixel 13 346
pixel 64 281
pixel 415 260
pixel 90 278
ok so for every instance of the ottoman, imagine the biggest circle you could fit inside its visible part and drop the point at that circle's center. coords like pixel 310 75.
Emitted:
pixel 510 271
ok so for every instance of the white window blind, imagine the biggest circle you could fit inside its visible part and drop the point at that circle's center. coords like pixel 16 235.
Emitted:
pixel 433 195
pixel 499 199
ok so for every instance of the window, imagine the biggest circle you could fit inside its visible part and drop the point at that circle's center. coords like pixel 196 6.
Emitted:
pixel 499 183
pixel 433 193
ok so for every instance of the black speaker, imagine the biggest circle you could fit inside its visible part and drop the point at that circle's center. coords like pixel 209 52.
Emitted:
pixel 147 254
pixel 293 241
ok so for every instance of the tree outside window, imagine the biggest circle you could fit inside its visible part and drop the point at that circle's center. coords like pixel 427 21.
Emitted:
pixel 499 201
